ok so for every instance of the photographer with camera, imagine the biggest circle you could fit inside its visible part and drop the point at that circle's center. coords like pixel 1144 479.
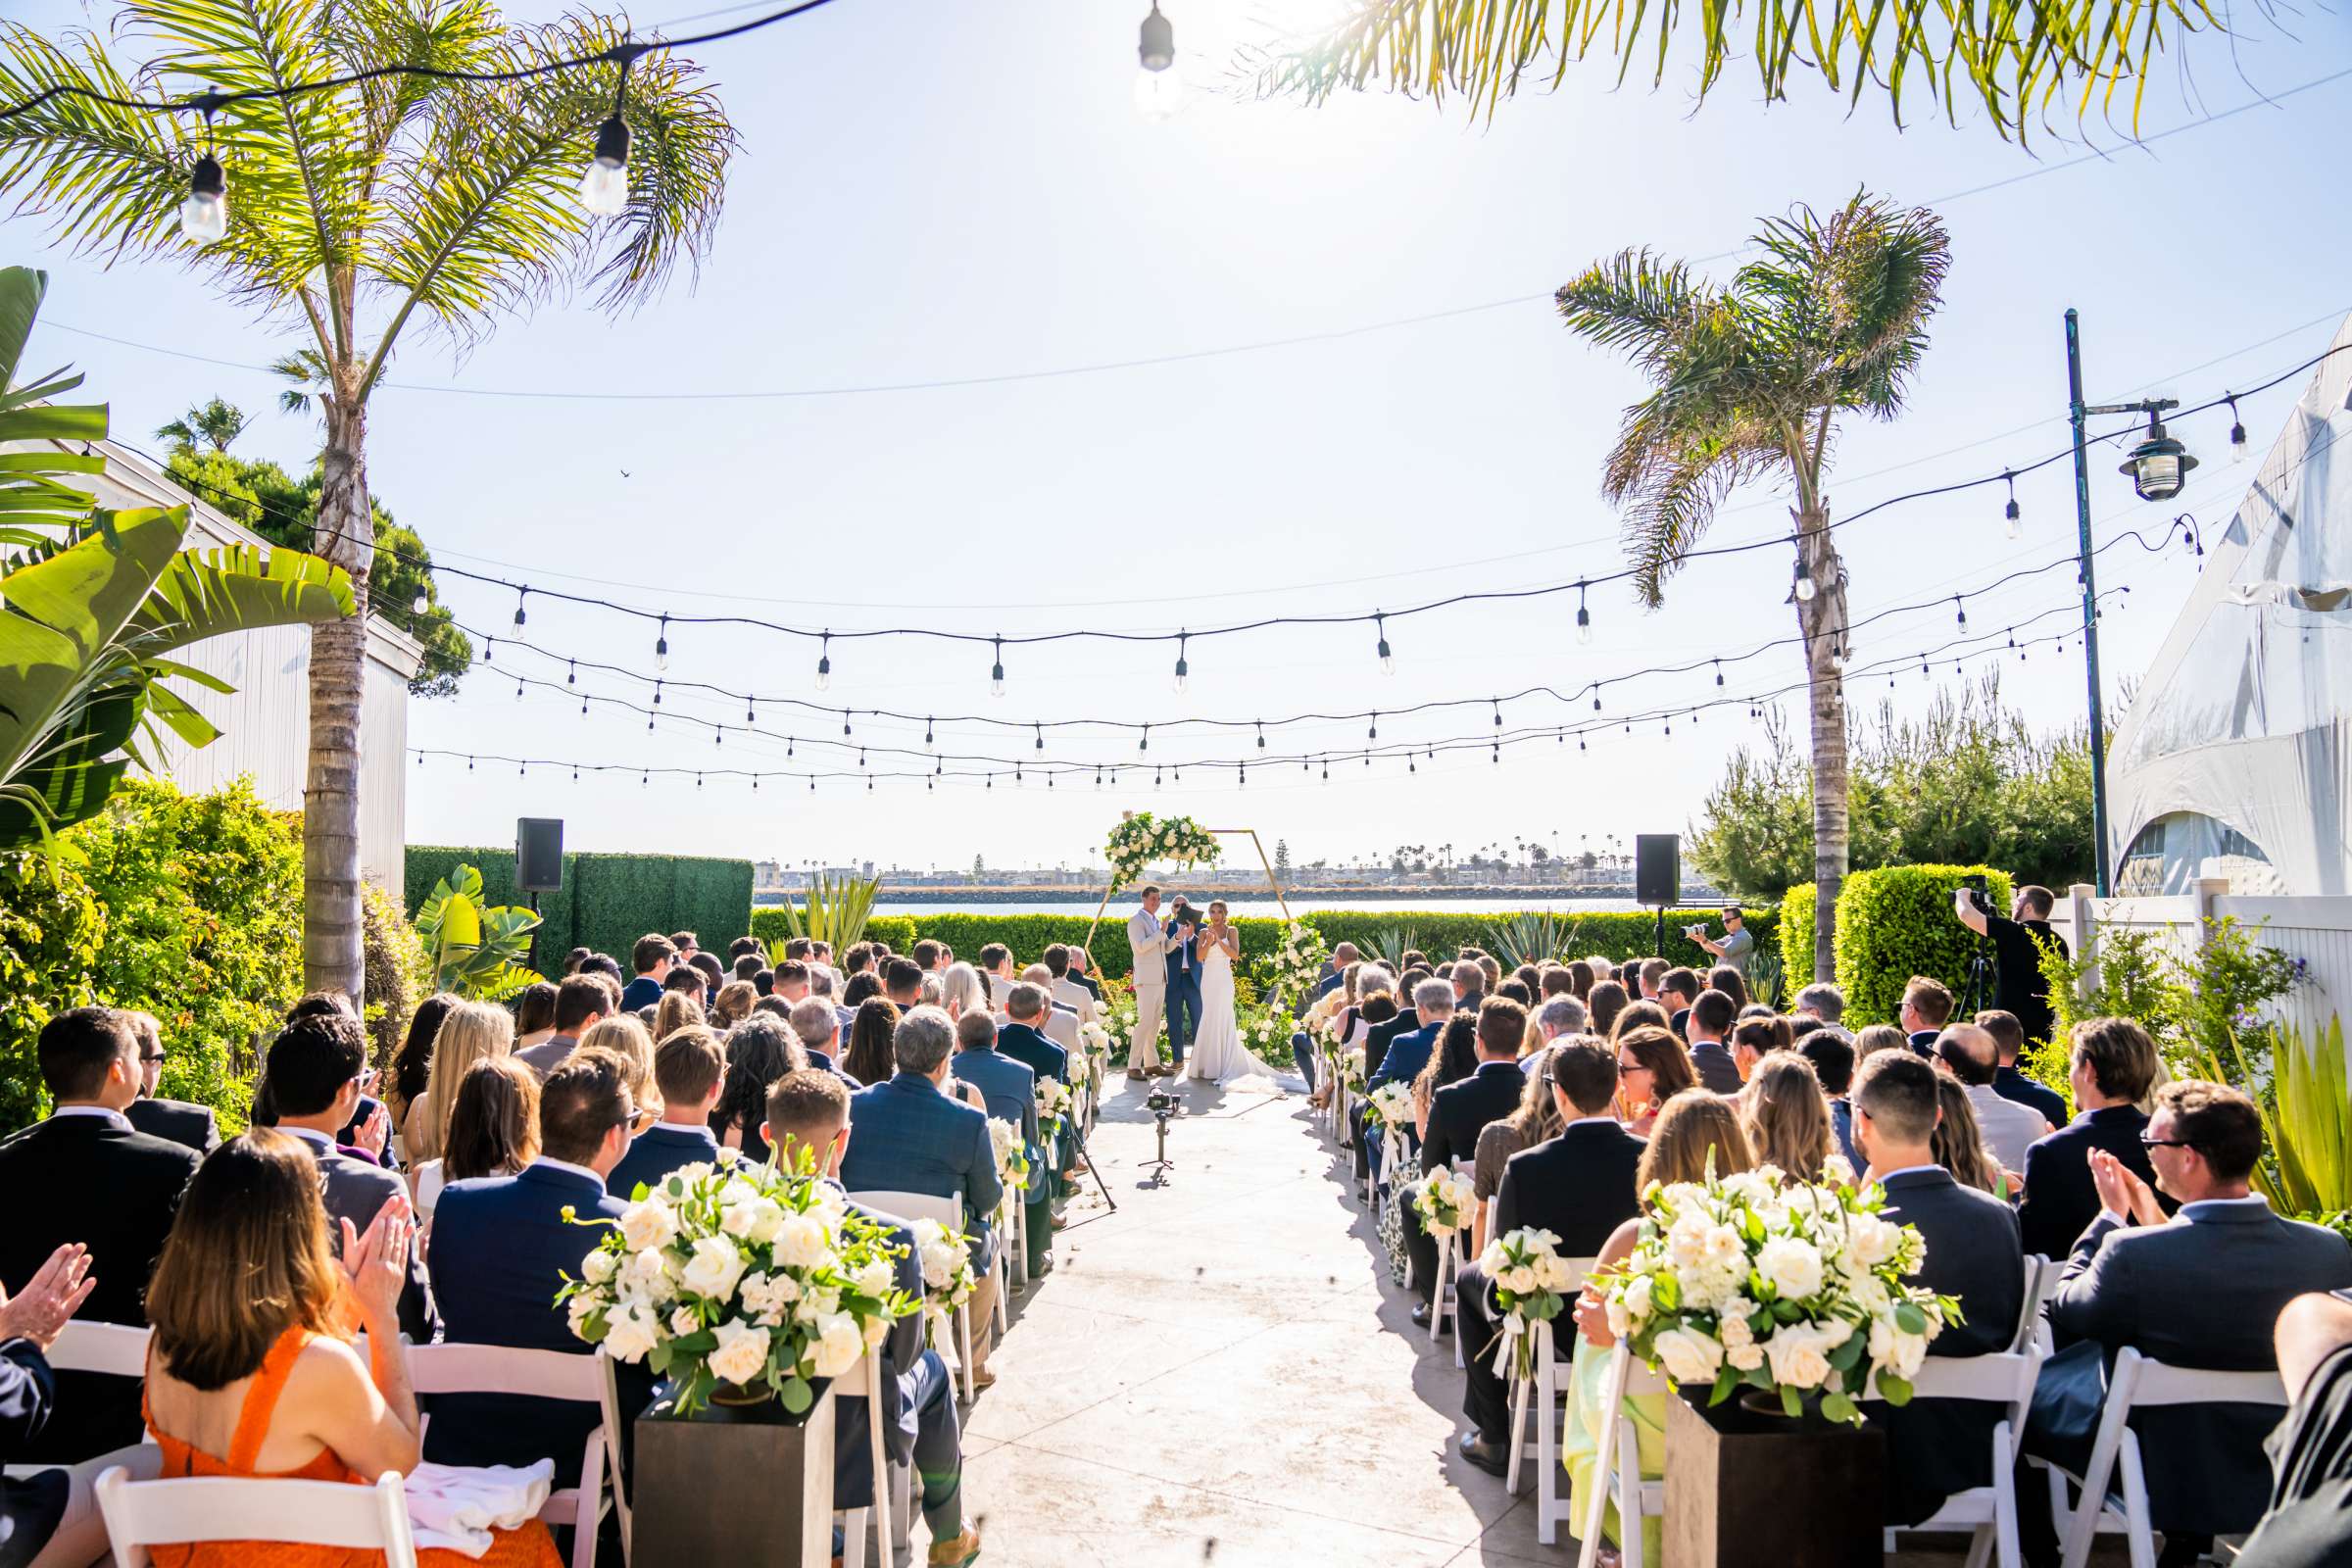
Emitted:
pixel 2018 984
pixel 1737 944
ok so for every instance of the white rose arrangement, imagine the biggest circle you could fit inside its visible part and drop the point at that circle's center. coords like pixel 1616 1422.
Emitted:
pixel 1529 1280
pixel 1139 840
pixel 1743 1281
pixel 947 1278
pixel 1299 965
pixel 1012 1155
pixel 1053 1104
pixel 1444 1200
pixel 1391 1105
pixel 738 1274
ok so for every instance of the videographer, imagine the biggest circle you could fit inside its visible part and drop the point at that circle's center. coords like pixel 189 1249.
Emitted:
pixel 1737 944
pixel 2018 984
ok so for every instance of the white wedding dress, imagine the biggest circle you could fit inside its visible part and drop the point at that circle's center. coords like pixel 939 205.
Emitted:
pixel 1218 1055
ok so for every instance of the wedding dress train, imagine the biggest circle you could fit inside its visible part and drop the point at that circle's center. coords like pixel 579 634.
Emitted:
pixel 1218 1055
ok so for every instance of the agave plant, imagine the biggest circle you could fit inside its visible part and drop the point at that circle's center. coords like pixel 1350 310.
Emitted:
pixel 1531 938
pixel 2308 1133
pixel 832 911
pixel 1393 943
pixel 476 950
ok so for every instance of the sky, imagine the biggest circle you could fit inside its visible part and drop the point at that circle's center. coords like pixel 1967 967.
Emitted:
pixel 961 193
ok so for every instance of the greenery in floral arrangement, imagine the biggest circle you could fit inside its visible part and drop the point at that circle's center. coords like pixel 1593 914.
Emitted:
pixel 1298 965
pixel 1142 840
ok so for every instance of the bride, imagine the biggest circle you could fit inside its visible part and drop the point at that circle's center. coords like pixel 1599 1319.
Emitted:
pixel 1218 1055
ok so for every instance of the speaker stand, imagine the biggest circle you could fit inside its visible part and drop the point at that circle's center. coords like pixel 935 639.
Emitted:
pixel 1660 948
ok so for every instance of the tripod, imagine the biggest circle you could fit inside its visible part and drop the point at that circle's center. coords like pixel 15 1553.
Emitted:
pixel 1078 1137
pixel 1160 1164
pixel 1978 994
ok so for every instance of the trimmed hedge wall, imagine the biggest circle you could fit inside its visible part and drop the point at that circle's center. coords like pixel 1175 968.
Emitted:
pixel 1897 921
pixel 1797 938
pixel 608 901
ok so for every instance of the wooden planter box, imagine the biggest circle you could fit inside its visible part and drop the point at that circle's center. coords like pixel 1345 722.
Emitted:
pixel 1745 1488
pixel 733 1487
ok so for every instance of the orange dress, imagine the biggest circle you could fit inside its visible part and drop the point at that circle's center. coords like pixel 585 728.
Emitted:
pixel 530 1547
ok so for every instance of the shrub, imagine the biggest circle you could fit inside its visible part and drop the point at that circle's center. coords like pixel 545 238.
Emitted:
pixel 606 901
pixel 1797 938
pixel 1897 921
pixel 50 932
pixel 396 970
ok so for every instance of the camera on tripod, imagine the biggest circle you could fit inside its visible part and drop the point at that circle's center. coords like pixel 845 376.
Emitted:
pixel 1978 894
pixel 1162 1102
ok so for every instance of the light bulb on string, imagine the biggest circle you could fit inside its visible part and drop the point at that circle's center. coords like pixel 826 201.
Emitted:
pixel 1597 699
pixel 1261 734
pixel 1803 587
pixel 1183 669
pixel 1373 733
pixel 1041 737
pixel 1145 744
pixel 657 694
pixel 204 215
pixel 996 673
pixel 489 647
pixel 845 721
pixel 571 672
pixel 1961 607
pixel 1388 661
pixel 1158 86
pixel 2237 429
pixel 825 662
pixel 1583 616
pixel 518 690
pixel 719 734
pixel 2015 525
pixel 1719 672
pixel 748 716
pixel 661 646
pixel 520 594
pixel 1498 702
pixel 420 604
pixel 603 190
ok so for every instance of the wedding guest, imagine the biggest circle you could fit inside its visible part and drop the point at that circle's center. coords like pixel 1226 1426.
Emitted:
pixel 809 1111
pixel 471 1032
pixel 500 1248
pixel 633 1044
pixel 1879 1037
pixel 1531 976
pixel 1823 1000
pixel 793 980
pixel 1407 1055
pixel 2010 1127
pixel 1024 1038
pixel 763 981
pixel 493 1130
pixel 263 1381
pixel 1522 995
pixel 1607 1001
pixel 1359 1027
pixel 929 956
pixel 2008 1082
pixel 818 1028
pixel 1927 1005
pixel 1787 1118
pixel 1560 1016
pixel 1335 969
pixel 1833 1058
pixel 1455 1059
pixel 1639 1015
pixel 908 1136
pixel 1705 1023
pixel 607 966
pixel 688 946
pixel 1459 1113
pixel 732 1005
pixel 1678 989
pixel 1959 1143
pixel 1067 991
pixel 193 1126
pixel 1469 982
pixel 86 1176
pixel 870 1059
pixel 651 961
pixel 1578 1186
pixel 580 1000
pixel 1579 980
pixel 2201 1290
pixel 1648 975
pixel 2311 1490
pixel 680 1009
pixel 48 1515
pixel 1653 1068
pixel 1556 981
pixel 2112 1065
pixel 1055 1022
pixel 760 1051
pixel 1007 1089
pixel 960 991
pixel 1080 962
pixel 690 1068
pixel 710 971
pixel 902 982
pixel 575 958
pixel 1730 982
pixel 1489 967
pixel 1535 1118
pixel 534 1014
pixel 1696 1133
pixel 1751 1038
pixel 315 1067
pixel 1937 1447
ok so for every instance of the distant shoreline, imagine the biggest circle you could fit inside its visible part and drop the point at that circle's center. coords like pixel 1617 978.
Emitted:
pixel 1300 898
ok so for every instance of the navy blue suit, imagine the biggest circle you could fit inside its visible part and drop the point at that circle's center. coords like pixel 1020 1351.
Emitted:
pixel 918 1407
pixel 29 1509
pixel 906 1136
pixel 1183 987
pixel 1028 1045
pixel 1406 1055
pixel 2010 1084
pixel 1009 1088
pixel 501 1248
pixel 656 1151
pixel 2060 1200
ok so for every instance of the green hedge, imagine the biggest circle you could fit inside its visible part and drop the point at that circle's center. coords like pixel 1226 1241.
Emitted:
pixel 50 932
pixel 1897 921
pixel 608 901
pixel 1797 938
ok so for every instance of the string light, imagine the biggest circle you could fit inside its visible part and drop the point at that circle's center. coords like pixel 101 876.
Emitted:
pixel 1374 732
pixel 825 662
pixel 661 646
pixel 1583 618
pixel 996 674
pixel 1183 671
pixel 604 189
pixel 2238 430
pixel 204 215
pixel 2016 525
pixel 1388 661
pixel 1804 581
pixel 1961 608
pixel 520 594
pixel 572 675
pixel 420 604
pixel 1041 738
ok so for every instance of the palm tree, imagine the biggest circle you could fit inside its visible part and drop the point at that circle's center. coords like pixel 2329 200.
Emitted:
pixel 353 215
pixel 1748 383
pixel 2015 61
pixel 216 425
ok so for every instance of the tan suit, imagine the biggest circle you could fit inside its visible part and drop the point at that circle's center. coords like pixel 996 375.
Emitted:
pixel 1151 947
pixel 1075 997
pixel 1062 1028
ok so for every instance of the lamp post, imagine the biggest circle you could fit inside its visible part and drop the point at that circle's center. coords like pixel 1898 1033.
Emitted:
pixel 2159 465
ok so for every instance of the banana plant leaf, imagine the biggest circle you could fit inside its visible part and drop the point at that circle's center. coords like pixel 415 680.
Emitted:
pixel 204 593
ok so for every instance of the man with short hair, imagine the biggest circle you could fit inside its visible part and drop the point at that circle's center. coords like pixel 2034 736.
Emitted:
pixel 85 1175
pixel 194 1126
pixel 902 982
pixel 690 1069
pixel 1937 1447
pixel 2008 1081
pixel 1457 1114
pixel 314 1069
pixel 2113 1065
pixel 1738 943
pixel 1407 1055
pixel 911 1137
pixel 1967 1053
pixel 1823 1000
pixel 651 960
pixel 818 1027
pixel 1709 1020
pixel 1009 1085
pixel 1927 1005
pixel 502 1247
pixel 809 1111
pixel 1648 975
pixel 1059 1024
pixel 1560 1015
pixel 996 962
pixel 1579 1185
pixel 2200 1289
pixel 1335 969
pixel 686 944
pixel 1066 992
pixel 1468 978
pixel 2019 987
pixel 1678 989
pixel 792 979
pixel 1831 1054
pixel 1080 962
pixel 582 1002
pixel 1184 981
pixel 803 948
pixel 930 957
pixel 1150 943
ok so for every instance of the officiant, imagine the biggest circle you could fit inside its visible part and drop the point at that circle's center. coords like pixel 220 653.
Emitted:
pixel 1184 980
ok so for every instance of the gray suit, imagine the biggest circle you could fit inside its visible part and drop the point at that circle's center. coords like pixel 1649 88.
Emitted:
pixel 355 1191
pixel 2202 1291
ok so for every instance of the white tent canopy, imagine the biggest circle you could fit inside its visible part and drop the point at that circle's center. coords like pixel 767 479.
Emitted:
pixel 2235 759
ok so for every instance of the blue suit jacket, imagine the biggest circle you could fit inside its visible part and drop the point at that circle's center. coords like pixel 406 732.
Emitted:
pixel 500 1249
pixel 1032 1050
pixel 656 1151
pixel 1011 1089
pixel 1407 1054
pixel 643 991
pixel 1184 964
pixel 906 1136
pixel 2060 1199
pixel 853 1462
pixel 2010 1084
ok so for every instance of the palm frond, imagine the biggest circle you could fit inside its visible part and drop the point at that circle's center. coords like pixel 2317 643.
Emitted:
pixel 1630 302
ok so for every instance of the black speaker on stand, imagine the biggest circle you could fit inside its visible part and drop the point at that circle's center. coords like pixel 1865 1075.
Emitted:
pixel 538 865
pixel 1658 875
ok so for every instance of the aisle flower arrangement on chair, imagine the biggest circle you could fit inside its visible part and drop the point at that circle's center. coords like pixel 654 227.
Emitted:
pixel 1142 840
pixel 1529 1279
pixel 1053 1105
pixel 1795 1290
pixel 738 1280
pixel 1012 1156
pixel 1391 1105
pixel 947 1277
pixel 1446 1201
pixel 1299 965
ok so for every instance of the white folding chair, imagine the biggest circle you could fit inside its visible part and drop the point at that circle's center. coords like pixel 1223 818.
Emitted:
pixel 541 1375
pixel 1617 1479
pixel 117 1350
pixel 907 1208
pixel 608 1399
pixel 1012 1219
pixel 864 1382
pixel 1542 1397
pixel 1443 1307
pixel 140 1514
pixel 2138 1382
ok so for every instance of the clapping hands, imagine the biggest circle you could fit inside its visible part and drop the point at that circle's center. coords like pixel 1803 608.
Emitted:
pixel 378 1263
pixel 2122 1192
pixel 375 1132
pixel 39 1313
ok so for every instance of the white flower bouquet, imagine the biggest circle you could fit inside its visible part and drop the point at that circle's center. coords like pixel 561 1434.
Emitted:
pixel 1012 1155
pixel 1445 1201
pixel 947 1278
pixel 1140 839
pixel 1053 1104
pixel 1529 1280
pixel 1390 1105
pixel 1299 963
pixel 741 1275
pixel 1739 1280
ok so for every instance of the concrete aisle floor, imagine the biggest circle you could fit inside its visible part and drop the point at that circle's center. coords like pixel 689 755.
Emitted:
pixel 1220 1373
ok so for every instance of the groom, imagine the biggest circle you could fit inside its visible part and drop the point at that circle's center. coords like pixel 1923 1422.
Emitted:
pixel 1184 982
pixel 1150 945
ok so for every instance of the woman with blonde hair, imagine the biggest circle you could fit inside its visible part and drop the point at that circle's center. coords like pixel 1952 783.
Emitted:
pixel 1786 1116
pixel 1696 1132
pixel 1877 1038
pixel 733 1003
pixel 678 1009
pixel 470 1032
pixel 626 1038
pixel 961 991
pixel 267 1375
